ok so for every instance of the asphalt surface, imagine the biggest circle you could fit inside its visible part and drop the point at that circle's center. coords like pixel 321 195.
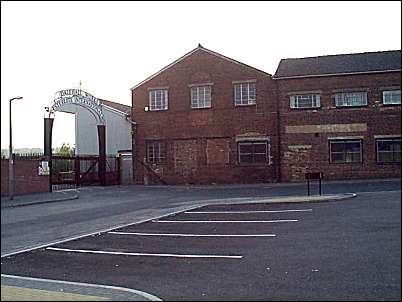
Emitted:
pixel 340 250
pixel 99 208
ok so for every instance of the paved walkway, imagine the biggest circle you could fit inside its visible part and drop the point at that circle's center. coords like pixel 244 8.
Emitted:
pixel 18 288
pixel 37 198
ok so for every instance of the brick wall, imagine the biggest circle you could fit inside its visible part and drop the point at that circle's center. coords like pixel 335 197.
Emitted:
pixel 305 147
pixel 201 143
pixel 26 178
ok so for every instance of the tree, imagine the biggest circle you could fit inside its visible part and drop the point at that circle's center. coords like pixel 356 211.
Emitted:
pixel 65 150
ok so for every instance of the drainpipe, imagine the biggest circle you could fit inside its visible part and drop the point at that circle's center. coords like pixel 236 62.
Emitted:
pixel 133 145
pixel 278 127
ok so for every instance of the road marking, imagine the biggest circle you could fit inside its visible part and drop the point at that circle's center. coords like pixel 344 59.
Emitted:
pixel 246 212
pixel 225 221
pixel 146 254
pixel 130 290
pixel 191 235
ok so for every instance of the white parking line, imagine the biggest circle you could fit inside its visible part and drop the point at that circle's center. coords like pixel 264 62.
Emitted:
pixel 191 235
pixel 145 254
pixel 246 212
pixel 225 221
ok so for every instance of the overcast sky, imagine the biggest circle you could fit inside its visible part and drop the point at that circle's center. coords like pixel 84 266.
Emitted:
pixel 111 46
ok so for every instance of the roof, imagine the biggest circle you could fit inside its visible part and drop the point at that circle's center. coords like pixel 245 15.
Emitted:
pixel 118 106
pixel 368 62
pixel 199 48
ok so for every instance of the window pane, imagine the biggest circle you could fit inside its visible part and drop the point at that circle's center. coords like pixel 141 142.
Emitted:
pixel 253 152
pixel 397 156
pixel 260 158
pixel 384 145
pixel 156 152
pixel 260 148
pixel 158 99
pixel 389 150
pixel 246 148
pixel 201 97
pixel 345 151
pixel 392 97
pixel 246 158
pixel 385 157
pixel 305 101
pixel 252 91
pixel 237 93
pixel 351 99
pixel 337 147
pixel 397 146
pixel 355 157
pixel 352 147
pixel 337 158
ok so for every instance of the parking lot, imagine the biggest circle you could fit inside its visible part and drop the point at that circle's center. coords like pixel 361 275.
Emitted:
pixel 301 251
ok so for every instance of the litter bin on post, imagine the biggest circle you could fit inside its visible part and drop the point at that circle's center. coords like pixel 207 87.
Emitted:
pixel 314 176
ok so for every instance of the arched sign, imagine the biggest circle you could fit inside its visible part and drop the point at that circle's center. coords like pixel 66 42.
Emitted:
pixel 93 105
pixel 80 98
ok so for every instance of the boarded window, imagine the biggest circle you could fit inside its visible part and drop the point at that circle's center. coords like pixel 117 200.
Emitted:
pixel 217 151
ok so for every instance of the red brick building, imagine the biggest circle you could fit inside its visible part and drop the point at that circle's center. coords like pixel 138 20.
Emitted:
pixel 207 118
pixel 340 115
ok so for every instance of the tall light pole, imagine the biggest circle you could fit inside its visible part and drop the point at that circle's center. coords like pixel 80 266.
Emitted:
pixel 10 158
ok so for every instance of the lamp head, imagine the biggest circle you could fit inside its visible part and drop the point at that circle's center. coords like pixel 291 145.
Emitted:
pixel 16 98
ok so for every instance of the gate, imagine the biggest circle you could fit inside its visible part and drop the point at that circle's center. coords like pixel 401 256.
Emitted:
pixel 126 168
pixel 75 171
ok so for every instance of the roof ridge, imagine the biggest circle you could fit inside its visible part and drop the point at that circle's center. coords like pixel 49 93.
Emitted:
pixel 343 54
pixel 199 47
pixel 114 102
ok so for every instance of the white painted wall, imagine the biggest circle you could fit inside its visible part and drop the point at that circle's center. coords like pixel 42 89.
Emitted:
pixel 118 130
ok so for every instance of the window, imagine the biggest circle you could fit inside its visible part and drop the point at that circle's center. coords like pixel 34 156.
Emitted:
pixel 201 97
pixel 388 150
pixel 244 94
pixel 253 152
pixel 158 99
pixel 391 97
pixel 350 99
pixel 345 151
pixel 305 101
pixel 156 152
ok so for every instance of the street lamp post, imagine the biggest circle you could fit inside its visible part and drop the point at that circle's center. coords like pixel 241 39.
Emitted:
pixel 11 159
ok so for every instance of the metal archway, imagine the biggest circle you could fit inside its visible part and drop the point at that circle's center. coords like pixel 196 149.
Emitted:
pixel 92 104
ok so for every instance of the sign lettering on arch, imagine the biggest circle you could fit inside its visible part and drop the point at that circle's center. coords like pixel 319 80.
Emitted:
pixel 81 98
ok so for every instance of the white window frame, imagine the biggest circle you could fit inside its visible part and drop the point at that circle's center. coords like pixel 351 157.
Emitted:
pixel 393 95
pixel 201 96
pixel 343 141
pixel 158 152
pixel 247 96
pixel 158 99
pixel 348 99
pixel 315 100
pixel 378 151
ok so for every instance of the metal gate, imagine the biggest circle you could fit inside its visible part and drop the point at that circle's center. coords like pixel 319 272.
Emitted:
pixel 75 171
